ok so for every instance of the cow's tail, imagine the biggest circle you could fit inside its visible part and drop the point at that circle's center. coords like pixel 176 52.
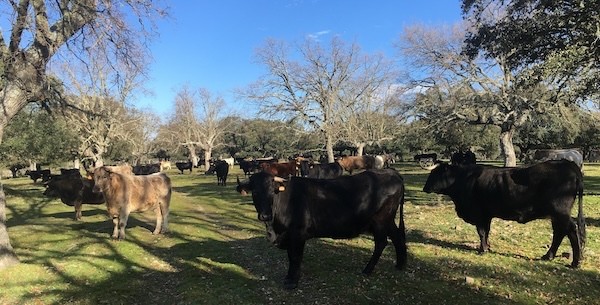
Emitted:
pixel 580 217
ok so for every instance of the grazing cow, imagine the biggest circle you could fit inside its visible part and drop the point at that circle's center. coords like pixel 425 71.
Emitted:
pixel 463 158
pixel 351 163
pixel 543 190
pixel 284 169
pixel 181 166
pixel 146 169
pixel 125 193
pixel 299 209
pixel 43 174
pixel 73 191
pixel 320 171
pixel 572 155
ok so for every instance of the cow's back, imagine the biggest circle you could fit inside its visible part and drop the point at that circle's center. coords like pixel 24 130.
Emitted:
pixel 148 191
pixel 520 194
pixel 343 207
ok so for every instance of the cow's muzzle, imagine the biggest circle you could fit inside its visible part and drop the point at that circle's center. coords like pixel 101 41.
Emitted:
pixel 96 189
pixel 265 217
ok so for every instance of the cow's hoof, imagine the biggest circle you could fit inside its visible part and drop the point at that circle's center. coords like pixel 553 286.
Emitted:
pixel 290 284
pixel 574 265
pixel 547 257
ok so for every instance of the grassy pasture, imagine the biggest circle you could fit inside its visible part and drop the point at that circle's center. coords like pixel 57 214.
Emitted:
pixel 216 253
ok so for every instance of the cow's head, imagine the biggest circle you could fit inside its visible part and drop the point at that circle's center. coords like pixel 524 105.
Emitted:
pixel 102 178
pixel 441 178
pixel 51 189
pixel 264 187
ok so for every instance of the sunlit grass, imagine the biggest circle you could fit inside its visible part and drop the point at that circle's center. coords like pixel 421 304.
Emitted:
pixel 216 253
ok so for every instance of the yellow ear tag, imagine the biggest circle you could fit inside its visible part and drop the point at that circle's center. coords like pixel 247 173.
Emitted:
pixel 281 188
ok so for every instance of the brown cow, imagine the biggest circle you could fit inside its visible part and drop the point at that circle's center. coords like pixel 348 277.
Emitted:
pixel 351 163
pixel 125 193
pixel 281 169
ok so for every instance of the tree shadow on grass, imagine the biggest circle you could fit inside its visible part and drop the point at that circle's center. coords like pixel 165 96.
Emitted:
pixel 250 271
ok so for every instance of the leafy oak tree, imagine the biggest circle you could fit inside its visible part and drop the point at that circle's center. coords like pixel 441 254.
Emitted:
pixel 558 41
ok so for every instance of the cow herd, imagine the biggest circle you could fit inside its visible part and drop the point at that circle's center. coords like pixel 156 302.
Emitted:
pixel 299 200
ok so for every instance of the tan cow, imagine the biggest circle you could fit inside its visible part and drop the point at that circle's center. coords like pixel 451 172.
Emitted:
pixel 351 163
pixel 126 193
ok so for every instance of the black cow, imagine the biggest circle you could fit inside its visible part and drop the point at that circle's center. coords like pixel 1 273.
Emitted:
pixel 301 208
pixel 146 169
pixel 463 158
pixel 543 190
pixel 222 170
pixel 15 168
pixel 320 171
pixel 248 166
pixel 181 166
pixel 70 172
pixel 43 174
pixel 73 191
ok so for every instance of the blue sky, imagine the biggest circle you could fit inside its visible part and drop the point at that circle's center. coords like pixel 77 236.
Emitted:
pixel 211 43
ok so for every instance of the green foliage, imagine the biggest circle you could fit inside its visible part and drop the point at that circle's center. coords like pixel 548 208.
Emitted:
pixel 558 39
pixel 216 253
pixel 36 136
pixel 264 138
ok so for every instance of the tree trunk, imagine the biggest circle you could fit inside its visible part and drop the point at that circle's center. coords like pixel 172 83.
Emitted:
pixel 507 148
pixel 13 100
pixel 207 156
pixel 329 148
pixel 360 148
pixel 7 254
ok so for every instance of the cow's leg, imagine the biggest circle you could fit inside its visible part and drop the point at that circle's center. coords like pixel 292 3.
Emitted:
pixel 77 210
pixel 295 252
pixel 164 211
pixel 560 227
pixel 575 243
pixel 398 237
pixel 483 230
pixel 380 243
pixel 162 219
pixel 122 224
pixel 115 221
pixel 159 220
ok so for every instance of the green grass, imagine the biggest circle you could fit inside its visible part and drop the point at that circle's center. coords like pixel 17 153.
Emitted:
pixel 216 253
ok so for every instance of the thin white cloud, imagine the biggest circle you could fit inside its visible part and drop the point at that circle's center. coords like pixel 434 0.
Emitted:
pixel 316 35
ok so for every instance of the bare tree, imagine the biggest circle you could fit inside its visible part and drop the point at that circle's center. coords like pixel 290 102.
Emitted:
pixel 316 88
pixel 373 119
pixel 142 128
pixel 47 31
pixel 99 112
pixel 482 91
pixel 198 122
